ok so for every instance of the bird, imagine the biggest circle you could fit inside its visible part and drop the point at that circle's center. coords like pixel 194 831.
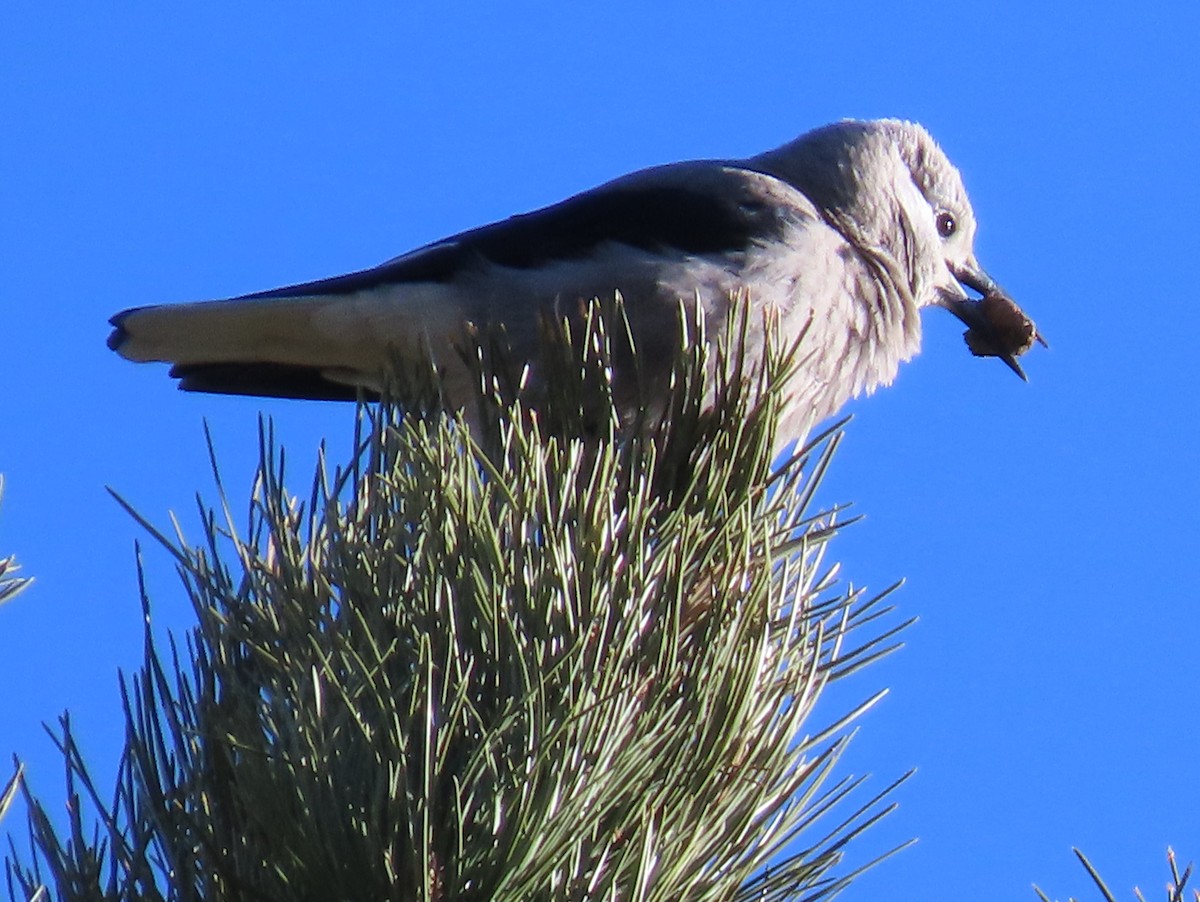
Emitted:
pixel 843 235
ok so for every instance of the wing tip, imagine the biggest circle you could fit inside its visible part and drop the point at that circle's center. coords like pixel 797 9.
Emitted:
pixel 270 380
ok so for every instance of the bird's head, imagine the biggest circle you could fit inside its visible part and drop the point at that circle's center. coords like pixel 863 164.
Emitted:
pixel 997 327
pixel 894 193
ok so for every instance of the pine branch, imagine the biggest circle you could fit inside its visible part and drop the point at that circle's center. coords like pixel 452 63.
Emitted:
pixel 570 653
pixel 1176 886
pixel 10 584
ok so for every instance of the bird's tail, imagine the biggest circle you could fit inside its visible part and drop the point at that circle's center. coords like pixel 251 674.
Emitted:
pixel 326 347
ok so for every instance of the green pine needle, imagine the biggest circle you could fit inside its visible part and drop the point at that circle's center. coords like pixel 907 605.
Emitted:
pixel 571 652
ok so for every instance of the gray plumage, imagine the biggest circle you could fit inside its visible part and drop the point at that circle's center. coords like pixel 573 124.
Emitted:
pixel 848 231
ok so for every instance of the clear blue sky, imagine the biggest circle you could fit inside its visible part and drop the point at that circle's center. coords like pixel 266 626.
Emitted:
pixel 1049 531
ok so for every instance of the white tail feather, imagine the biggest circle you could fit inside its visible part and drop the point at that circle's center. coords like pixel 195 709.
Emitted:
pixel 354 332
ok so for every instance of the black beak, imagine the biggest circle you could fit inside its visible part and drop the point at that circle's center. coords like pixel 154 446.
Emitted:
pixel 976 278
pixel 996 326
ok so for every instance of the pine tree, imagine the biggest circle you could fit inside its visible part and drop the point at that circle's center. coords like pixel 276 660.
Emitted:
pixel 569 653
pixel 10 583
pixel 10 586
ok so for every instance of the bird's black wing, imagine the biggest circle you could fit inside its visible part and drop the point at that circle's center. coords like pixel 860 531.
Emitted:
pixel 693 208
pixel 687 209
pixel 267 380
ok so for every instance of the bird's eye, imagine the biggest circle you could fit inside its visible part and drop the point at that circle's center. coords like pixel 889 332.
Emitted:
pixel 946 224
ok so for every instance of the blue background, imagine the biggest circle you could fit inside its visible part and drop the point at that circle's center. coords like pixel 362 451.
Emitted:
pixel 1048 531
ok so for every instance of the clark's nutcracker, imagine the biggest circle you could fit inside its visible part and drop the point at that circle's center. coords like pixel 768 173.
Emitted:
pixel 847 231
